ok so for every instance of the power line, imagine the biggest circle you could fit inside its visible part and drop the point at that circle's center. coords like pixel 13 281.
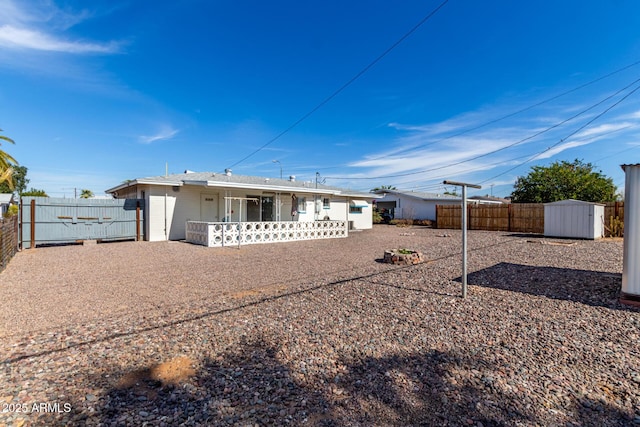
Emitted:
pixel 344 86
pixel 492 121
pixel 437 181
pixel 515 113
pixel 566 137
pixel 510 145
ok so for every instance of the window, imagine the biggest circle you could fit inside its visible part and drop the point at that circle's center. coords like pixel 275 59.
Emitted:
pixel 302 204
pixel 326 203
pixel 356 206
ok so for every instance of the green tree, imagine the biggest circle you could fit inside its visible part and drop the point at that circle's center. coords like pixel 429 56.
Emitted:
pixel 564 180
pixel 34 192
pixel 20 181
pixel 6 163
pixel 86 194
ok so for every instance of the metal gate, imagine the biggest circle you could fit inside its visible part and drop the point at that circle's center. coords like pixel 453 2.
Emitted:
pixel 47 220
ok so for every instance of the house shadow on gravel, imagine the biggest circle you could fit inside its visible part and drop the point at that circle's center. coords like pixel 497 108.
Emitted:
pixel 250 386
pixel 593 288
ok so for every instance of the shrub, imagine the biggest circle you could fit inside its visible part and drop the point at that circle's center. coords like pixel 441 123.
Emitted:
pixel 377 218
pixel 12 211
pixel 615 228
pixel 401 222
pixel 409 222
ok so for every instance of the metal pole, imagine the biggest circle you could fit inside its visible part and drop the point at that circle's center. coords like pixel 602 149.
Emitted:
pixel 280 164
pixel 464 230
pixel 464 241
pixel 239 223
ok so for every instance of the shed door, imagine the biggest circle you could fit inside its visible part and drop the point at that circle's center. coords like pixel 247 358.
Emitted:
pixel 209 207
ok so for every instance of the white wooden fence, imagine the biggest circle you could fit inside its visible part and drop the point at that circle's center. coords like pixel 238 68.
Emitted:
pixel 217 234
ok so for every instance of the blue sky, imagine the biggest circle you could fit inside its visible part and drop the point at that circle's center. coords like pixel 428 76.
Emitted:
pixel 98 92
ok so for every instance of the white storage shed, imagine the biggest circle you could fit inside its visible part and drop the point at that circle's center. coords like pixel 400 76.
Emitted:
pixel 574 219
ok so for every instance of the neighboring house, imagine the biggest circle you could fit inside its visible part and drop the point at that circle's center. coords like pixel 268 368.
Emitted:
pixel 173 200
pixel 413 204
pixel 6 199
pixel 488 200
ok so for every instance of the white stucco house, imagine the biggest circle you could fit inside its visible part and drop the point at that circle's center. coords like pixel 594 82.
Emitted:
pixel 173 200
pixel 419 205
pixel 413 204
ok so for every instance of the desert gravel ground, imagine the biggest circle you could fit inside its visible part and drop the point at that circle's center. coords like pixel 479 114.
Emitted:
pixel 320 333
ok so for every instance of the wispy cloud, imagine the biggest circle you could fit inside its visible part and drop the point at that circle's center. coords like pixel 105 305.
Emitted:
pixel 586 137
pixel 604 129
pixel 24 38
pixel 632 116
pixel 43 29
pixel 164 133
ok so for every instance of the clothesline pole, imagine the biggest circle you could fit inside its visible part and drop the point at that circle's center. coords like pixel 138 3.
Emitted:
pixel 464 230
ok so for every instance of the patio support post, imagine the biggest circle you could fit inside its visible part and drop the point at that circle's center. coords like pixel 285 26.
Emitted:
pixel 464 230
pixel 239 223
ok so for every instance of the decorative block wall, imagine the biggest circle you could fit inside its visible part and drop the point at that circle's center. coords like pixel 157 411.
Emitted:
pixel 217 234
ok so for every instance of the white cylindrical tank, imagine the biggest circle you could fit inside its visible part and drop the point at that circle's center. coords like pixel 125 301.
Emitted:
pixel 631 255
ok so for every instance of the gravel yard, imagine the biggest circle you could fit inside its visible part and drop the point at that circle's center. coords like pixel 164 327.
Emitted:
pixel 320 333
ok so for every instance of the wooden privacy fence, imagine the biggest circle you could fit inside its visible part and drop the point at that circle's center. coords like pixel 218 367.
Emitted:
pixel 8 240
pixel 45 220
pixel 515 217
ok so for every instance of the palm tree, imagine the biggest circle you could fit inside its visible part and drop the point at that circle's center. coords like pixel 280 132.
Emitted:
pixel 86 194
pixel 383 187
pixel 6 163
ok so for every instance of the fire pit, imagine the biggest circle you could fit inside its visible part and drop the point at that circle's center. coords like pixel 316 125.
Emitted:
pixel 402 257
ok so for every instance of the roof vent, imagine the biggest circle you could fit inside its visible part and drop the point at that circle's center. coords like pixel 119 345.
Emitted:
pixel 188 171
pixel 266 180
pixel 292 178
pixel 227 172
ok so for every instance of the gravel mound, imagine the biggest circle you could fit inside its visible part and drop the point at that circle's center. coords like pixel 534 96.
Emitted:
pixel 320 333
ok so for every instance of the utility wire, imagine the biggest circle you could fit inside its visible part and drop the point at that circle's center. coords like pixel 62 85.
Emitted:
pixel 535 156
pixel 575 89
pixel 510 145
pixel 438 180
pixel 344 86
pixel 490 122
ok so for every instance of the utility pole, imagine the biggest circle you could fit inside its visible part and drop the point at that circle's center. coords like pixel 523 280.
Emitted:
pixel 75 191
pixel 278 162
